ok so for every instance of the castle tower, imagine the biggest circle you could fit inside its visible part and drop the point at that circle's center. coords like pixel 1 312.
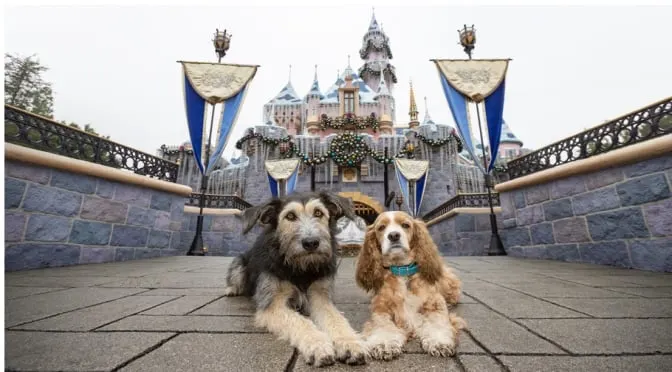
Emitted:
pixel 313 105
pixel 348 94
pixel 413 110
pixel 385 101
pixel 285 108
pixel 376 54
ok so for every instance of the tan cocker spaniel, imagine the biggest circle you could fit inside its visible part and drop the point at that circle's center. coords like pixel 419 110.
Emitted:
pixel 412 289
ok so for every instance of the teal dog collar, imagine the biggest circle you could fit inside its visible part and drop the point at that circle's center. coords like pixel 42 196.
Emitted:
pixel 406 270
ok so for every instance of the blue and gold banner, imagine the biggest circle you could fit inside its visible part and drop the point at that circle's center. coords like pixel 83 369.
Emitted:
pixel 282 176
pixel 412 177
pixel 475 81
pixel 213 83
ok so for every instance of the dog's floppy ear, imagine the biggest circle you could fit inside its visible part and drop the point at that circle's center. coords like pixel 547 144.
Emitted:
pixel 426 253
pixel 369 273
pixel 265 213
pixel 338 206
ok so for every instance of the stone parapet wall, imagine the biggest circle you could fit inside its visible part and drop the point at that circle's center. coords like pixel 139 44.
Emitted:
pixel 620 216
pixel 56 217
pixel 222 234
pixel 465 233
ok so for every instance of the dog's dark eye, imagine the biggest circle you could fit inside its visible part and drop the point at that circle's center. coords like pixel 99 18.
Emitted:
pixel 405 225
pixel 291 216
pixel 318 213
pixel 381 227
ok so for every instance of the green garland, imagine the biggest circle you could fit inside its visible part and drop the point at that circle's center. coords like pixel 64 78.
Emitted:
pixel 291 149
pixel 347 149
pixel 440 142
pixel 349 121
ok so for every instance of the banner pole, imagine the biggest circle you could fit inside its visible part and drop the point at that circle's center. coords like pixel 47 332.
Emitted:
pixel 283 188
pixel 496 247
pixel 197 247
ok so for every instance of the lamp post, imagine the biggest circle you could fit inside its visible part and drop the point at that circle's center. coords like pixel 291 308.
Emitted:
pixel 399 201
pixel 221 41
pixel 468 42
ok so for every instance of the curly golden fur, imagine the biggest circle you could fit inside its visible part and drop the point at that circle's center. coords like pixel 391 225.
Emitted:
pixel 407 306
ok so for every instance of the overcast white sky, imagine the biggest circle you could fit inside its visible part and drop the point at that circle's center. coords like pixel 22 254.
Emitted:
pixel 115 67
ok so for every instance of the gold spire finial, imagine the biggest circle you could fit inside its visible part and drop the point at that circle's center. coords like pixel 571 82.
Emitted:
pixel 413 111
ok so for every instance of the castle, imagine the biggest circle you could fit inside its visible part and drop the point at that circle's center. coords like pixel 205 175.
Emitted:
pixel 345 136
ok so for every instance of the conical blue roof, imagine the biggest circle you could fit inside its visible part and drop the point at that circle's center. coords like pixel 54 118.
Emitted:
pixel 508 136
pixel 287 96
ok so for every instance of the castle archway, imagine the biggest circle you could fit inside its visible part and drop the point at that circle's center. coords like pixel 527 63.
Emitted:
pixel 365 207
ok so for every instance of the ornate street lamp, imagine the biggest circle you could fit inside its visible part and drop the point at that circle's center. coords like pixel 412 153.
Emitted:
pixel 221 41
pixel 468 41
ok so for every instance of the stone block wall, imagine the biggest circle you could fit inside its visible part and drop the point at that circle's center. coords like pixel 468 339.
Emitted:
pixel 621 216
pixel 59 218
pixel 463 234
pixel 221 234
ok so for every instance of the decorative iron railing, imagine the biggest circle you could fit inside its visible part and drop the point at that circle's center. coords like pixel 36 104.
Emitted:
pixel 644 124
pixel 34 131
pixel 219 201
pixel 479 200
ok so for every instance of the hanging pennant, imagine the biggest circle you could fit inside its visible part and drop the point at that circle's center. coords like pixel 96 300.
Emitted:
pixel 282 176
pixel 475 81
pixel 213 83
pixel 412 177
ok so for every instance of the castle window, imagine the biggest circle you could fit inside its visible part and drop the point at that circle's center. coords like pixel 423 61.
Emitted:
pixel 349 102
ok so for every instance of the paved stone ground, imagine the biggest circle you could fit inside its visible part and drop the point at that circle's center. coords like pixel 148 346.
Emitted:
pixel 168 314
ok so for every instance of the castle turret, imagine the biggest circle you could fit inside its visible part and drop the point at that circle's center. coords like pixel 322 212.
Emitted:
pixel 349 94
pixel 313 104
pixel 428 119
pixel 385 102
pixel 285 108
pixel 376 54
pixel 413 110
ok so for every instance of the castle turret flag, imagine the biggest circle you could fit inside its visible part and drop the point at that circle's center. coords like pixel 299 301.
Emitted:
pixel 282 176
pixel 412 177
pixel 475 81
pixel 213 83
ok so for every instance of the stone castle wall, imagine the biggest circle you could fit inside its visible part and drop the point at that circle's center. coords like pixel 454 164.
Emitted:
pixel 463 234
pixel 60 218
pixel 619 216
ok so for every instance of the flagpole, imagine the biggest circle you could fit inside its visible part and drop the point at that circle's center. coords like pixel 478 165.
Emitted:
pixel 468 40
pixel 197 248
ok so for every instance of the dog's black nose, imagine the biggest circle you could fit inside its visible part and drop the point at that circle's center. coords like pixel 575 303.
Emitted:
pixel 394 236
pixel 310 244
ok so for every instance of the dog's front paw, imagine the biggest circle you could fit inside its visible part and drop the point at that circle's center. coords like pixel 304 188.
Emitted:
pixel 352 351
pixel 319 354
pixel 386 350
pixel 231 291
pixel 439 348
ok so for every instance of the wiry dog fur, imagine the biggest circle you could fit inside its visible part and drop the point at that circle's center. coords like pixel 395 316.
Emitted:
pixel 292 267
pixel 410 306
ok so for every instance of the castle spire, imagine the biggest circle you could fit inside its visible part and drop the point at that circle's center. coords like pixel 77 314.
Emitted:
pixel 376 48
pixel 290 74
pixel 373 26
pixel 427 119
pixel 315 87
pixel 413 110
pixel 382 87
